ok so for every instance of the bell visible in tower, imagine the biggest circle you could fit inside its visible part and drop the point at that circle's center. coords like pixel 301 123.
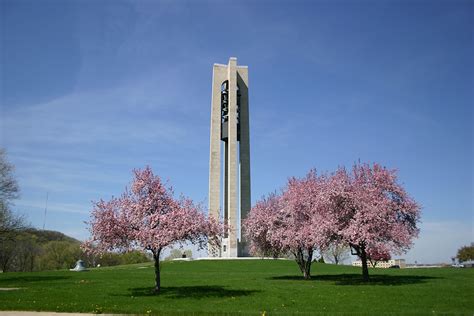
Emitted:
pixel 229 159
pixel 225 110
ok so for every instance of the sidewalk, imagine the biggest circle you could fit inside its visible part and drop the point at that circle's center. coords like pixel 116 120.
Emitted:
pixel 29 313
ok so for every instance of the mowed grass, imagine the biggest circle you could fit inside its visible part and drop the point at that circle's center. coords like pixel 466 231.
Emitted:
pixel 242 286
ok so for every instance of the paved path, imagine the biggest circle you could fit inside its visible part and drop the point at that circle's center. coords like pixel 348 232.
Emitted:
pixel 9 288
pixel 17 313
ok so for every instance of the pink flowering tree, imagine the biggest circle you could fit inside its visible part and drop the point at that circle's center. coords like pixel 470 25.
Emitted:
pixel 148 217
pixel 374 213
pixel 374 255
pixel 295 221
pixel 259 227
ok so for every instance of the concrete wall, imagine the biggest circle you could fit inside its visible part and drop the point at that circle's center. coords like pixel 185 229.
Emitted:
pixel 233 162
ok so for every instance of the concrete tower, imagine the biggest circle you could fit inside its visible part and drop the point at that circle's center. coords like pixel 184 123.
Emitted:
pixel 229 162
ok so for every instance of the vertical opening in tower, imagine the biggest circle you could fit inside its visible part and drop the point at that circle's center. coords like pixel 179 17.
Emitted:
pixel 225 151
pixel 224 110
pixel 238 112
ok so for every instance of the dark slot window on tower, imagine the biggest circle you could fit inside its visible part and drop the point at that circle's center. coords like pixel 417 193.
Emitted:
pixel 225 101
pixel 238 112
pixel 224 109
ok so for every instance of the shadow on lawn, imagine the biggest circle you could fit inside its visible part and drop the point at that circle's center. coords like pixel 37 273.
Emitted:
pixel 33 278
pixel 356 279
pixel 196 292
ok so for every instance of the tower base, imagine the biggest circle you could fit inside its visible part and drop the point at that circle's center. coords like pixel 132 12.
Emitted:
pixel 226 251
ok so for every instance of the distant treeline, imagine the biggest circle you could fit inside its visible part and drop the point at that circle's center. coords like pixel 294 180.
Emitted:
pixel 37 250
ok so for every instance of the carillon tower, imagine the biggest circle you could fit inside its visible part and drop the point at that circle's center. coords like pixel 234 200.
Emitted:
pixel 229 163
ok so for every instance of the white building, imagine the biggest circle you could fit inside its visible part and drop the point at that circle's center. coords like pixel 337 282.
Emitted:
pixel 383 264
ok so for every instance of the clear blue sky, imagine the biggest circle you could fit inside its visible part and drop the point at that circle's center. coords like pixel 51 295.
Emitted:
pixel 92 89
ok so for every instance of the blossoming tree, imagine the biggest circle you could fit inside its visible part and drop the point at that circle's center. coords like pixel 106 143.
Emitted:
pixel 295 221
pixel 374 213
pixel 148 217
pixel 374 255
pixel 259 227
pixel 367 210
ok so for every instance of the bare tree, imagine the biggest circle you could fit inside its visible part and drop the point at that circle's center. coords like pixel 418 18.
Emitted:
pixel 10 228
pixel 9 189
pixel 9 222
pixel 337 253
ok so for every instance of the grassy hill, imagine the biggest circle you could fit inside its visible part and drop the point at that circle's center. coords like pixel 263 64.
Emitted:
pixel 44 236
pixel 245 286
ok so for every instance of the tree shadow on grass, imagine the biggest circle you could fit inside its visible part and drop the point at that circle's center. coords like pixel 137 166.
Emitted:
pixel 356 279
pixel 196 292
pixel 33 278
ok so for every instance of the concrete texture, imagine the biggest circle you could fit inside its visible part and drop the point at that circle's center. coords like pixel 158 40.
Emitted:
pixel 236 156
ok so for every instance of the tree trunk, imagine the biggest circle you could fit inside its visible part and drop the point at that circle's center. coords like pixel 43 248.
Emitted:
pixel 309 260
pixel 156 256
pixel 365 268
pixel 305 263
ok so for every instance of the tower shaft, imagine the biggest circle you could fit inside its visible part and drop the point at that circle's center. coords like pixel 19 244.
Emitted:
pixel 230 154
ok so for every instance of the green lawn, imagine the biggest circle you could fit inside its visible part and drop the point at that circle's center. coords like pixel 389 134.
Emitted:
pixel 244 286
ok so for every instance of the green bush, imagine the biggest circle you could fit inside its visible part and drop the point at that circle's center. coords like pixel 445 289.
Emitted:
pixel 59 255
pixel 134 257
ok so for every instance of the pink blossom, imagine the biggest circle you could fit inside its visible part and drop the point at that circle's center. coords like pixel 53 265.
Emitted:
pixel 374 213
pixel 366 209
pixel 295 221
pixel 148 217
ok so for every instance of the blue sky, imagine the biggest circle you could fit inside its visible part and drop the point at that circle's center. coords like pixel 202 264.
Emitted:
pixel 92 89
